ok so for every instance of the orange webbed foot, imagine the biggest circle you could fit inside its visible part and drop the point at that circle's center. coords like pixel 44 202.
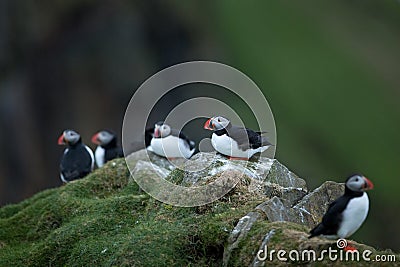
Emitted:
pixel 350 248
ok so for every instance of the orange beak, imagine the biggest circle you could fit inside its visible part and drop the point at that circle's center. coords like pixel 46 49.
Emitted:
pixel 157 132
pixel 368 184
pixel 61 140
pixel 207 125
pixel 95 139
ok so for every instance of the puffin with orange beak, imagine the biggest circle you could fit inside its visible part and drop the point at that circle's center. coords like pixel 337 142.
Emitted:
pixel 107 147
pixel 233 141
pixel 347 213
pixel 77 160
pixel 171 143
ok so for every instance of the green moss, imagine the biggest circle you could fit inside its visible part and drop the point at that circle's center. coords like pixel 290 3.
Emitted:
pixel 176 176
pixel 106 220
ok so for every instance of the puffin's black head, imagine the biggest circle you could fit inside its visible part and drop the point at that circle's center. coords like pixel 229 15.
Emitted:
pixel 216 123
pixel 358 183
pixel 161 130
pixel 103 138
pixel 69 137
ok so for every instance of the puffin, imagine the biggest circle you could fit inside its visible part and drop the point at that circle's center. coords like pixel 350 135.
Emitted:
pixel 171 143
pixel 347 213
pixel 77 160
pixel 107 148
pixel 233 141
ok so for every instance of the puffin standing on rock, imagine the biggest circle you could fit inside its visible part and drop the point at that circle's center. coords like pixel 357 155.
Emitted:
pixel 346 214
pixel 171 143
pixel 77 160
pixel 236 142
pixel 107 148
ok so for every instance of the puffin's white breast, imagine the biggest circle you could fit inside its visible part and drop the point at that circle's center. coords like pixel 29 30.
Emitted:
pixel 229 147
pixel 354 215
pixel 171 147
pixel 99 154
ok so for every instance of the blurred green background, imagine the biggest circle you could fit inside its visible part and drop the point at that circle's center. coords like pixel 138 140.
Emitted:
pixel 329 69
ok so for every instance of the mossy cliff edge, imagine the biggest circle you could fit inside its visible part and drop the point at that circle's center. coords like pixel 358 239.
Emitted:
pixel 105 219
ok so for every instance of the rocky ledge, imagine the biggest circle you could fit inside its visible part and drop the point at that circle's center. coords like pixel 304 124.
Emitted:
pixel 107 219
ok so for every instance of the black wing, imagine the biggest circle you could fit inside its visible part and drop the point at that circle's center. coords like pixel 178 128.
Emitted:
pixel 332 218
pixel 113 153
pixel 247 138
pixel 256 139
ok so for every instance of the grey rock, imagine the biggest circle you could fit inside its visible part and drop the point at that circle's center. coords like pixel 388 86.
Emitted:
pixel 145 155
pixel 256 261
pixel 281 175
pixel 309 210
pixel 288 195
pixel 275 210
pixel 312 207
pixel 239 233
pixel 268 171
pixel 202 166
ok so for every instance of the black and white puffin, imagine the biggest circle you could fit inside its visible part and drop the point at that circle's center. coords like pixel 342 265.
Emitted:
pixel 236 142
pixel 107 147
pixel 346 214
pixel 171 143
pixel 77 160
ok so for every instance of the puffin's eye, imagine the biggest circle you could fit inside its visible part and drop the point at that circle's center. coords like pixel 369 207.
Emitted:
pixel 219 120
pixel 357 179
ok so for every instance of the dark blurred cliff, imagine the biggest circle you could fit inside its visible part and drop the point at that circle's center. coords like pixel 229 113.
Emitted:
pixel 330 72
pixel 76 65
